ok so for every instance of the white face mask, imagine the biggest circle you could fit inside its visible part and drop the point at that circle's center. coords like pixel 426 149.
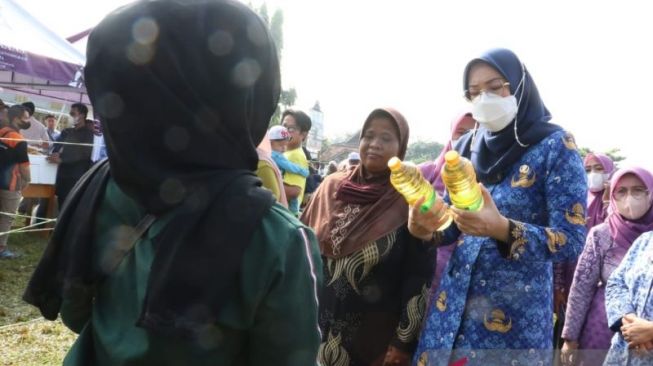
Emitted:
pixel 633 209
pixel 595 181
pixel 494 112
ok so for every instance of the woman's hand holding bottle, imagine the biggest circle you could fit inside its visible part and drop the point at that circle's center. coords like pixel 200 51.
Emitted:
pixel 488 221
pixel 423 224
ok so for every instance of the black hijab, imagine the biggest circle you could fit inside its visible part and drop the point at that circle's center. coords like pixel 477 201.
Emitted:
pixel 493 153
pixel 185 91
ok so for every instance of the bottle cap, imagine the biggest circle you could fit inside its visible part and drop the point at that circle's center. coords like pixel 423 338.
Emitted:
pixel 452 157
pixel 394 163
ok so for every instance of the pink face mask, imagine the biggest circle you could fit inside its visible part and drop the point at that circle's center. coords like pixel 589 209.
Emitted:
pixel 631 208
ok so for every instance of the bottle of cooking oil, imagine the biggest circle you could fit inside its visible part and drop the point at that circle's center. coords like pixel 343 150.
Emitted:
pixel 408 180
pixel 460 179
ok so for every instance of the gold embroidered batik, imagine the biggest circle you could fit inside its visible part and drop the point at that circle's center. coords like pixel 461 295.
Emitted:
pixel 577 215
pixel 555 240
pixel 519 240
pixel 415 312
pixel 355 267
pixel 341 229
pixel 497 321
pixel 569 141
pixel 524 179
pixel 441 302
pixel 331 352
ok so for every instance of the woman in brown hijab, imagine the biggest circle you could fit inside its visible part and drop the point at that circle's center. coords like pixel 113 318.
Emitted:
pixel 376 273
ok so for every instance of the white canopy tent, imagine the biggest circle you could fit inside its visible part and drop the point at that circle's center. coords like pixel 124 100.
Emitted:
pixel 37 64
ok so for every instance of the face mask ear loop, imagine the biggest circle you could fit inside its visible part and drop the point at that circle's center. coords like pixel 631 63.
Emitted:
pixel 476 126
pixel 521 95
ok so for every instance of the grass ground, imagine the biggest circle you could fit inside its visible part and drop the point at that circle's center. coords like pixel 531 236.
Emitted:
pixel 25 338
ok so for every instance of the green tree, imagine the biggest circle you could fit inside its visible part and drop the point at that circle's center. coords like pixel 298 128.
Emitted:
pixel 276 30
pixel 614 154
pixel 275 26
pixel 422 151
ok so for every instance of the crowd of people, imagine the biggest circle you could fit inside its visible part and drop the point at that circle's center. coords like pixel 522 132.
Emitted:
pixel 207 238
pixel 73 150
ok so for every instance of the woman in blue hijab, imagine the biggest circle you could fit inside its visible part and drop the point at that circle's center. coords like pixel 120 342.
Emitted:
pixel 493 304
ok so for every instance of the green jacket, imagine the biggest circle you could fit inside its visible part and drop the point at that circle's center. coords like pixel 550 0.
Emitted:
pixel 272 320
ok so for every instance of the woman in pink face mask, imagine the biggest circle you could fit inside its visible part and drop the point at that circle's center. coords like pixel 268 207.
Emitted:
pixel 586 326
pixel 598 167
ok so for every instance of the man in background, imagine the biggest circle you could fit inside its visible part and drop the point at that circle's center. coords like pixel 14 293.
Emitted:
pixel 3 111
pixel 298 125
pixel 51 124
pixel 74 160
pixel 36 135
pixel 14 170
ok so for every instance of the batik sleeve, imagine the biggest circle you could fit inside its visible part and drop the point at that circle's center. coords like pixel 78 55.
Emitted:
pixel 566 199
pixel 618 294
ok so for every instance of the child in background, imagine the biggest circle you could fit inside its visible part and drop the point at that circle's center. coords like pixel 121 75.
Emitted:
pixel 279 137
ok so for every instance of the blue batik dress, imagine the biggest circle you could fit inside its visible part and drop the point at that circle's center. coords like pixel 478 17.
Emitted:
pixel 629 291
pixel 494 302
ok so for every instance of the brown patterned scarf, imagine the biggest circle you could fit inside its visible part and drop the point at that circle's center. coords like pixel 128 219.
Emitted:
pixel 348 211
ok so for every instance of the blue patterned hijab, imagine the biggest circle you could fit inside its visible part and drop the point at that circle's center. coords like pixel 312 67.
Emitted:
pixel 493 153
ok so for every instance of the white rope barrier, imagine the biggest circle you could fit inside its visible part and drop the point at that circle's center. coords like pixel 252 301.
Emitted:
pixel 28 228
pixel 50 142
pixel 23 216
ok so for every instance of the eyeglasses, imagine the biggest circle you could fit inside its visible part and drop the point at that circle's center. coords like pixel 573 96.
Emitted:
pixel 637 193
pixel 493 86
pixel 291 129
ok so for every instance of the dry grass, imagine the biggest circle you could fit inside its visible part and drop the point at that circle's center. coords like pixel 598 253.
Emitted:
pixel 25 339
pixel 38 342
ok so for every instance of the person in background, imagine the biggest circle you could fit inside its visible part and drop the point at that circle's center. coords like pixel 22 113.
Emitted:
pixel 53 133
pixel 99 147
pixel 353 159
pixel 3 111
pixel 37 140
pixel 313 181
pixel 269 173
pixel 599 169
pixel 51 125
pixel 431 170
pixel 629 304
pixel 298 125
pixel 332 167
pixel 493 303
pixel 74 160
pixel 343 165
pixel 36 135
pixel 14 170
pixel 377 274
pixel 586 328
pixel 169 252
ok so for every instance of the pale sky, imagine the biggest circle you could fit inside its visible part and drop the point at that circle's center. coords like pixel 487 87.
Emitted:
pixel 591 60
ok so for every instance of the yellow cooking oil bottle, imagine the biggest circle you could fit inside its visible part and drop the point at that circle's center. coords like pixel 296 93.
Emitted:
pixel 460 179
pixel 408 180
